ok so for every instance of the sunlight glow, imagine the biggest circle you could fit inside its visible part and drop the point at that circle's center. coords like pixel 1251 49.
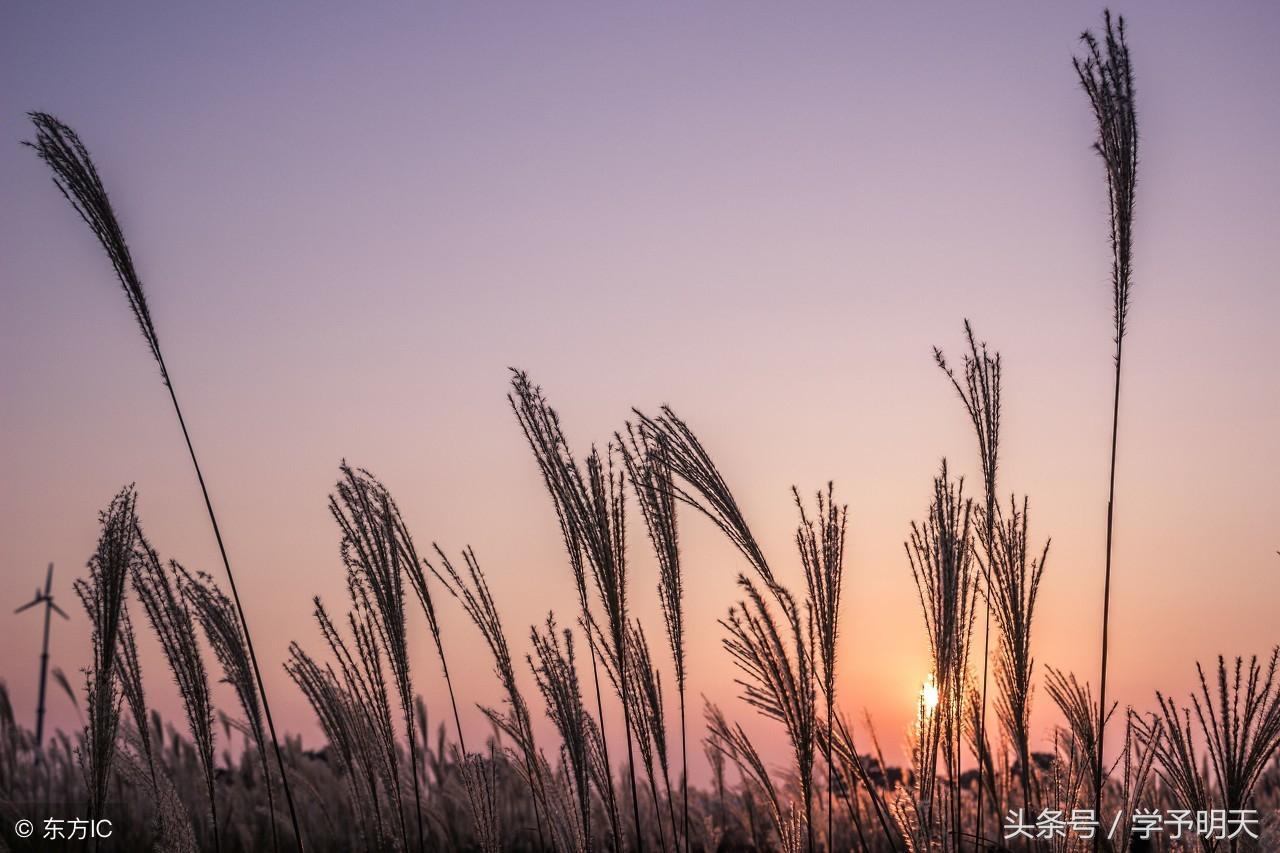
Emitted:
pixel 929 696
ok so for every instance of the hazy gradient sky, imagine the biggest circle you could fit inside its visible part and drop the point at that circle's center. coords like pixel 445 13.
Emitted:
pixel 352 221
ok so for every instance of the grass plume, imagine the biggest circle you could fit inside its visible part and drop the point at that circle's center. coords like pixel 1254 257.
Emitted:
pixel 1106 75
pixel 940 552
pixel 649 466
pixel 77 179
pixel 171 619
pixel 103 597
pixel 222 630
pixel 821 547
pixel 1013 584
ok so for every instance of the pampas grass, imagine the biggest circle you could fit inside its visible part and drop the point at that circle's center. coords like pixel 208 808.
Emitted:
pixel 129 672
pixel 375 548
pixel 778 677
pixel 821 547
pixel 556 674
pixel 940 552
pixel 1013 585
pixel 479 778
pixel 77 179
pixel 476 599
pixel 171 619
pixel 649 466
pixel 591 508
pixel 362 674
pixel 222 630
pixel 980 393
pixel 1239 721
pixel 651 726
pixel 1106 75
pixel 103 595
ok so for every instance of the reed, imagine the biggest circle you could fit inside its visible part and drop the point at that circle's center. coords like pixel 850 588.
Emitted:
pixel 1239 719
pixel 375 550
pixel 732 742
pixel 103 595
pixel 129 671
pixel 980 393
pixel 363 676
pixel 1013 578
pixel 347 736
pixel 649 708
pixel 77 179
pixel 778 677
pixel 476 599
pixel 576 510
pixel 940 552
pixel 697 482
pixel 1106 75
pixel 591 506
pixel 480 781
pixel 171 619
pixel 649 466
pixel 556 674
pixel 222 630
pixel 1081 712
pixel 821 547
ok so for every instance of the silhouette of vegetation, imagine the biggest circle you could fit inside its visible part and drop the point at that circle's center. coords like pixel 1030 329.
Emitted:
pixel 381 782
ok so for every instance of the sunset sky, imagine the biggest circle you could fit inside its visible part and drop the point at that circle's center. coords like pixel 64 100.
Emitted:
pixel 351 222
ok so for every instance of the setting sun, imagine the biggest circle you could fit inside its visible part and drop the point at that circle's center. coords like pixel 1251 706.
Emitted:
pixel 929 697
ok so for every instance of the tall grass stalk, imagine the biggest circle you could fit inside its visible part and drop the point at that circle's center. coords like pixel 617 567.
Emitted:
pixel 556 674
pixel 980 394
pixel 566 486
pixel 940 552
pixel 476 599
pixel 732 742
pixel 1239 718
pixel 217 616
pixel 821 547
pixel 591 506
pixel 1106 74
pixel 375 549
pixel 347 735
pixel 647 681
pixel 77 179
pixel 1013 583
pixel 480 781
pixel 103 596
pixel 649 466
pixel 776 662
pixel 174 626
pixel 129 671
pixel 362 672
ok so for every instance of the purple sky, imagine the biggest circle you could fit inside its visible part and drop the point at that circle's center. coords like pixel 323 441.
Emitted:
pixel 351 222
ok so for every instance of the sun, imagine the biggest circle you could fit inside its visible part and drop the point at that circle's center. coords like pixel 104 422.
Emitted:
pixel 929 696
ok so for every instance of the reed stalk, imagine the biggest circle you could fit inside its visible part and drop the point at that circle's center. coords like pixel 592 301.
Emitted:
pixel 103 597
pixel 222 629
pixel 377 551
pixel 940 552
pixel 77 179
pixel 1106 75
pixel 174 626
pixel 980 394
pixel 649 466
pixel 476 599
pixel 821 547
pixel 557 677
pixel 566 486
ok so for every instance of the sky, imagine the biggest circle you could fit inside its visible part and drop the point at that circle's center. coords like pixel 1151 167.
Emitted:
pixel 352 221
